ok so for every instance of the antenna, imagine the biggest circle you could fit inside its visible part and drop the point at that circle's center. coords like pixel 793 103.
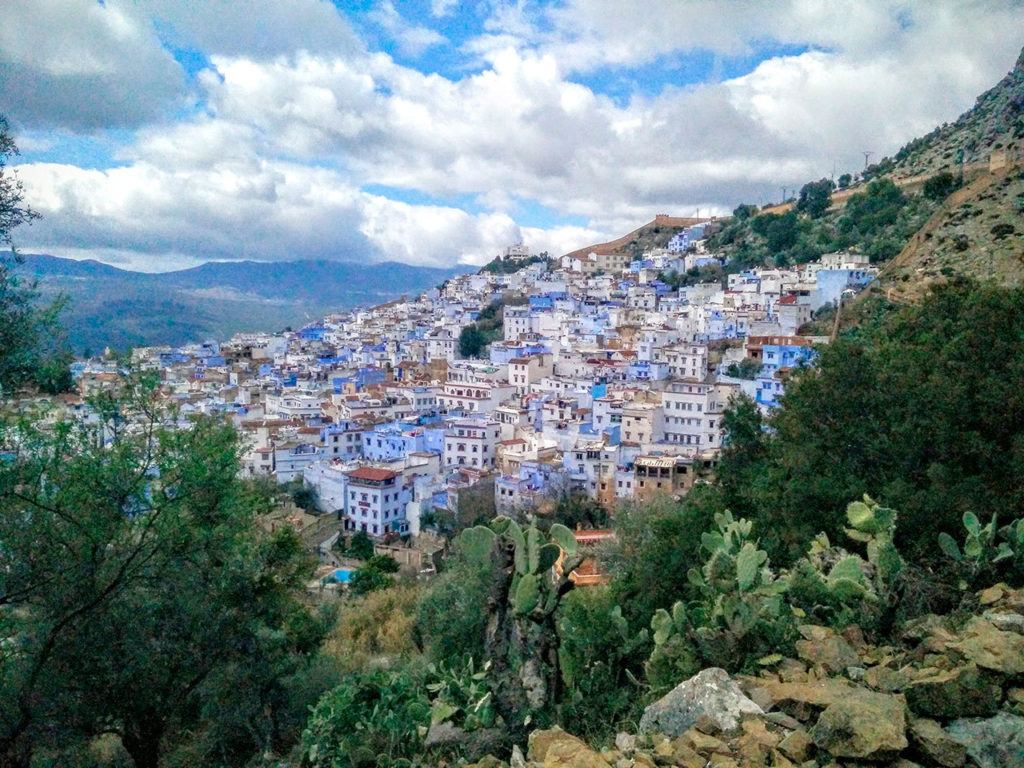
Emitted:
pixel 867 154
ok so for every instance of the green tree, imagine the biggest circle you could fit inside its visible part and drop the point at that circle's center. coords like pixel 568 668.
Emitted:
pixel 32 346
pixel 136 581
pixel 940 186
pixel 815 197
pixel 361 546
pixel 377 573
pixel 471 341
pixel 922 411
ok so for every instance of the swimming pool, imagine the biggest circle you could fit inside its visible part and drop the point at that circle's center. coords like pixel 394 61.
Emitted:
pixel 342 575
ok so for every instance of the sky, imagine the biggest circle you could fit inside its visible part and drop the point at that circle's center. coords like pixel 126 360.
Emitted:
pixel 159 134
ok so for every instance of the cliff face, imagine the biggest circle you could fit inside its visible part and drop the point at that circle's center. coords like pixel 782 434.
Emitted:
pixel 949 694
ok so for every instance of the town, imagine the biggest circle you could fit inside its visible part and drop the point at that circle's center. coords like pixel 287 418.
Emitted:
pixel 601 381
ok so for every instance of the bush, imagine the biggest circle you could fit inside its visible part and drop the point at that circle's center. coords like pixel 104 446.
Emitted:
pixel 371 719
pixel 376 630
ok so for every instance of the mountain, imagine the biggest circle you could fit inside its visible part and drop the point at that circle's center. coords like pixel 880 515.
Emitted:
pixel 120 308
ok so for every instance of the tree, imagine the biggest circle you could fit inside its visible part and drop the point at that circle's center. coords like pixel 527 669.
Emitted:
pixel 137 583
pixel 815 197
pixel 32 347
pixel 921 411
pixel 845 180
pixel 940 186
pixel 375 574
pixel 577 510
pixel 471 341
pixel 361 546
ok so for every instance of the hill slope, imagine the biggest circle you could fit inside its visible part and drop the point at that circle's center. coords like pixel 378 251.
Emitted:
pixel 119 308
pixel 653 234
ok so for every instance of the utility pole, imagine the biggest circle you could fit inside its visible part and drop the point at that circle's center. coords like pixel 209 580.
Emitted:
pixel 783 194
pixel 867 155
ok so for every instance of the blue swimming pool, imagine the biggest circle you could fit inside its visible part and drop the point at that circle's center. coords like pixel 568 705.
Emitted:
pixel 342 575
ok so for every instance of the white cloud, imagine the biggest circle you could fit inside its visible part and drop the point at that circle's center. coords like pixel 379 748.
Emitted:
pixel 82 65
pixel 295 126
pixel 412 39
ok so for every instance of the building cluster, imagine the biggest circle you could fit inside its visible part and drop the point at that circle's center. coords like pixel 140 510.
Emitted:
pixel 605 382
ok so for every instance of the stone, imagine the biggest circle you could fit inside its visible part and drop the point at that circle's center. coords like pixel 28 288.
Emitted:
pixel 757 730
pixel 573 754
pixel 443 734
pixel 778 760
pixel 516 760
pixel 625 742
pixel 686 756
pixel 996 742
pixel 800 700
pixel 823 647
pixel 864 724
pixel 781 718
pixel 991 595
pixel 541 741
pixel 886 679
pixel 992 648
pixel 701 742
pixel 711 692
pixel 935 744
pixel 722 761
pixel 797 746
pixel 963 691
pixel 642 760
pixel 1007 622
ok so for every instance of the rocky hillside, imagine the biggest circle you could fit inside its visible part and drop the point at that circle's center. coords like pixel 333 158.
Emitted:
pixel 995 123
pixel 977 232
pixel 949 693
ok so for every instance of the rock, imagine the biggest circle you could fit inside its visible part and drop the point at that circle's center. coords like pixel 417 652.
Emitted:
pixel 711 692
pixel 963 691
pixel 991 595
pixel 1007 622
pixel 443 734
pixel 862 725
pixel 781 718
pixel 823 647
pixel 935 744
pixel 756 729
pixel 801 700
pixel 685 755
pixel 886 679
pixel 797 746
pixel 541 741
pixel 625 742
pixel 516 759
pixel 997 742
pixel 573 754
pixel 992 648
pixel 701 742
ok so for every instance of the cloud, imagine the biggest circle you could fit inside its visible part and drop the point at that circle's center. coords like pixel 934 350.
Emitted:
pixel 81 65
pixel 412 39
pixel 297 124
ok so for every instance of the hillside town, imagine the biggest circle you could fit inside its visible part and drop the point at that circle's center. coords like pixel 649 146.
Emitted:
pixel 602 381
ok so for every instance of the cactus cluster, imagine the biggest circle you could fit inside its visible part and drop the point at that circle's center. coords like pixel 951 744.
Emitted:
pixel 533 582
pixel 987 549
pixel 740 612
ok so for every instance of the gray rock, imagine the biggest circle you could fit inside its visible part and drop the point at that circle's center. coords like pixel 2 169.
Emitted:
pixel 625 742
pixel 996 742
pixel 1007 622
pixel 862 725
pixel 711 693
pixel 517 760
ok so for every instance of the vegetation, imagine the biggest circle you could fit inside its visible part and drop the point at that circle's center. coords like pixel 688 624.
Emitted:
pixel 143 591
pixel 507 266
pixel 711 273
pixel 926 408
pixel 32 347
pixel 877 221
pixel 475 337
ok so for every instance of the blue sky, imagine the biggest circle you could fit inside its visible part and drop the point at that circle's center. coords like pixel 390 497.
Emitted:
pixel 157 133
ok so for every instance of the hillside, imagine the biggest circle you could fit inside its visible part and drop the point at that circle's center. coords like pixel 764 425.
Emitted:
pixel 994 124
pixel 120 308
pixel 654 234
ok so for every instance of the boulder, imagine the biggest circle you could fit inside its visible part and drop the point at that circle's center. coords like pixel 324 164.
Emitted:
pixel 710 693
pixel 823 647
pixel 862 725
pixel 541 741
pixel 801 700
pixel 797 746
pixel 933 743
pixel 997 742
pixel 992 648
pixel 962 691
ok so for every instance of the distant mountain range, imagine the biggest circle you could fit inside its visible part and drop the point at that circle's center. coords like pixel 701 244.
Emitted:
pixel 111 307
